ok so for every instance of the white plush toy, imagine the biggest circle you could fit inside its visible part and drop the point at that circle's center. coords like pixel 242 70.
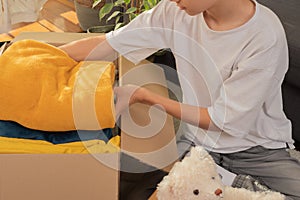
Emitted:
pixel 196 177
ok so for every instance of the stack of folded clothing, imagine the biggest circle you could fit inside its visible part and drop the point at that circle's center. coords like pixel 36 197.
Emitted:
pixel 52 103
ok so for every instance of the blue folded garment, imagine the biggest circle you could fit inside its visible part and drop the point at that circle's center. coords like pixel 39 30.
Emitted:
pixel 15 130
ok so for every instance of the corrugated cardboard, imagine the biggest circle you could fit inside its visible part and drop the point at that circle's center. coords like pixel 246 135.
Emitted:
pixel 72 177
pixel 59 177
pixel 55 39
pixel 151 137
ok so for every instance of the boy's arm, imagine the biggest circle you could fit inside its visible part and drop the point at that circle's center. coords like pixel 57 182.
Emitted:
pixel 194 115
pixel 91 48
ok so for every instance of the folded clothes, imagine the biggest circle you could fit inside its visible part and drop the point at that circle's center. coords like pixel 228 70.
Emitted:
pixel 14 130
pixel 42 88
pixel 25 146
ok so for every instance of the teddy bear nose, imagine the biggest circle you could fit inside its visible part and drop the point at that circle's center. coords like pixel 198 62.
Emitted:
pixel 218 192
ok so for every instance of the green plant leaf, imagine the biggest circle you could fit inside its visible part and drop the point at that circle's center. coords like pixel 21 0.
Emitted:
pixel 132 16
pixel 96 2
pixel 117 19
pixel 116 13
pixel 119 2
pixel 105 10
pixel 118 25
pixel 131 10
pixel 127 2
pixel 152 3
pixel 146 5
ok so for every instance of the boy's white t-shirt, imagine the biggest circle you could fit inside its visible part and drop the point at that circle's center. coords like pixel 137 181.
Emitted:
pixel 236 74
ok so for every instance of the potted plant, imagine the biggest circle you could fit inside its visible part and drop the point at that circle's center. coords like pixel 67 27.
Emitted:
pixel 121 12
pixel 87 14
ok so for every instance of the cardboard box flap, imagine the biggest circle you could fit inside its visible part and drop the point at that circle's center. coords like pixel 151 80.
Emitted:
pixel 53 38
pixel 147 133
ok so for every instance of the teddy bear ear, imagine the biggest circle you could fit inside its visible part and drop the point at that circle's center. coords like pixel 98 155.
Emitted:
pixel 199 152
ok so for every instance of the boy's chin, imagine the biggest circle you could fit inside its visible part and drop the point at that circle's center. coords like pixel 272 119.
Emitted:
pixel 191 13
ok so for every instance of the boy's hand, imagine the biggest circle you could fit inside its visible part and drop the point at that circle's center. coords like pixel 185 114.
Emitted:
pixel 126 96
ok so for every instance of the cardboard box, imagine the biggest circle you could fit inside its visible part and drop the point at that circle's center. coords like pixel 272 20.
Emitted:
pixel 76 176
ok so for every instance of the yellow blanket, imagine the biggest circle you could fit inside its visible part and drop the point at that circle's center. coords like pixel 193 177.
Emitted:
pixel 42 88
pixel 26 146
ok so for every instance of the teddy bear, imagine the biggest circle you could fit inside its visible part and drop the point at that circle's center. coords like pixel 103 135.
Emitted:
pixel 196 177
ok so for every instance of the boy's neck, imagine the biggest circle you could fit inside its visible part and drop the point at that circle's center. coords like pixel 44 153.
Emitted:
pixel 229 14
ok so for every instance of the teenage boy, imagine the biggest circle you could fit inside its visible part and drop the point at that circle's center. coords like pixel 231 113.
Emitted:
pixel 231 57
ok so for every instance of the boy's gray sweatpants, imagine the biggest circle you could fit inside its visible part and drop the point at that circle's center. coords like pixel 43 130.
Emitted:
pixel 274 168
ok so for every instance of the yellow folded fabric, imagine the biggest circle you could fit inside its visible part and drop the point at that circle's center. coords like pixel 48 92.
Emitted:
pixel 27 146
pixel 43 88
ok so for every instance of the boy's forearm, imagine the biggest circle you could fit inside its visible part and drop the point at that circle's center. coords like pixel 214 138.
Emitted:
pixel 194 115
pixel 92 48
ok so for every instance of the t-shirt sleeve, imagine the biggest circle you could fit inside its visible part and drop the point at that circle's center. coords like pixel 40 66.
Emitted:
pixel 143 36
pixel 243 94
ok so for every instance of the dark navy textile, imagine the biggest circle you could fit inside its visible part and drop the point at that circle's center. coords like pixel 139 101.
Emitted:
pixel 15 130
